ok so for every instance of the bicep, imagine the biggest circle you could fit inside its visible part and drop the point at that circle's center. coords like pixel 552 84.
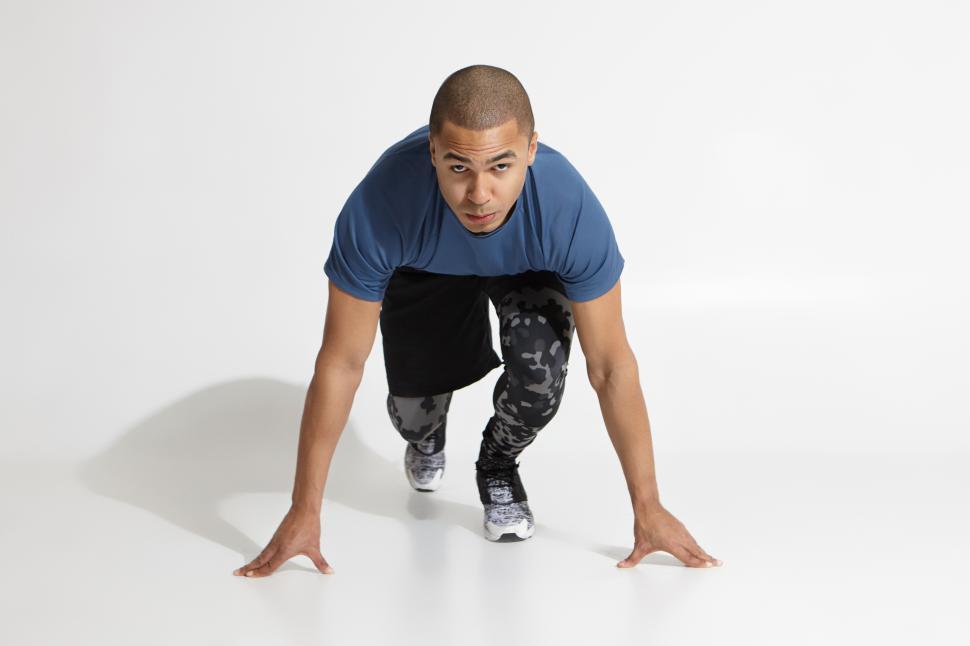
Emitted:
pixel 602 335
pixel 350 328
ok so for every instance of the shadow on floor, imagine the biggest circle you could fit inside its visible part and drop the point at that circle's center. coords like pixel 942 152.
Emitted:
pixel 240 437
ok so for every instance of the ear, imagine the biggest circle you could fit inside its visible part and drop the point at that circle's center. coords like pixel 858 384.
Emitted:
pixel 533 146
pixel 431 148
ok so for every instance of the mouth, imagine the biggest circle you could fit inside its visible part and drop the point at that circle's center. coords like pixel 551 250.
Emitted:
pixel 481 219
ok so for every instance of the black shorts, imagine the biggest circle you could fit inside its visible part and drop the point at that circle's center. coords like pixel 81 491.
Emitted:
pixel 436 330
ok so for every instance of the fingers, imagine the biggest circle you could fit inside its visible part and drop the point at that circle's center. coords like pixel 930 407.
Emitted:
pixel 268 567
pixel 319 561
pixel 696 550
pixel 268 562
pixel 691 556
pixel 685 555
pixel 257 562
pixel 691 546
pixel 639 551
pixel 688 543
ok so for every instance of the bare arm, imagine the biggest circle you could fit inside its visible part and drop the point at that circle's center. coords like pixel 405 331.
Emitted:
pixel 613 373
pixel 348 336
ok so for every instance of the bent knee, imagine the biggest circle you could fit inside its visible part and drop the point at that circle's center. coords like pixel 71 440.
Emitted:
pixel 531 402
pixel 539 412
pixel 537 363
pixel 417 417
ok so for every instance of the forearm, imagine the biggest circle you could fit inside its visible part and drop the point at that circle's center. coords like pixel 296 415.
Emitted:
pixel 325 412
pixel 625 415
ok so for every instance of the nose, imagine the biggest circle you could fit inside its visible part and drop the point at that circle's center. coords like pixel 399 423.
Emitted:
pixel 478 192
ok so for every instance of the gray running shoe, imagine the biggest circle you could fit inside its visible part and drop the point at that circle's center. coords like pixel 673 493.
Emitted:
pixel 507 513
pixel 424 461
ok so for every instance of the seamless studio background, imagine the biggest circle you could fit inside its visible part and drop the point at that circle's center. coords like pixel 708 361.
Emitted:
pixel 788 185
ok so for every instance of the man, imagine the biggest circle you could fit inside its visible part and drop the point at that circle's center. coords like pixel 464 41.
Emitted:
pixel 421 247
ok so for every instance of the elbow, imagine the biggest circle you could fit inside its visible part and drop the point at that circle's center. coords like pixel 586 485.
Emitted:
pixel 603 375
pixel 345 362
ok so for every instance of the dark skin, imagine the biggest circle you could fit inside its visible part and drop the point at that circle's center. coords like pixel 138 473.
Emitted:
pixel 476 175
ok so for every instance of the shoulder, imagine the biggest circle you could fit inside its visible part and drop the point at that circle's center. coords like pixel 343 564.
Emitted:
pixel 401 164
pixel 399 183
pixel 559 187
pixel 554 172
pixel 561 193
pixel 577 239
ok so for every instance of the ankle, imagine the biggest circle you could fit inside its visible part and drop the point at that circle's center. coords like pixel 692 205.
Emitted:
pixel 488 460
pixel 432 443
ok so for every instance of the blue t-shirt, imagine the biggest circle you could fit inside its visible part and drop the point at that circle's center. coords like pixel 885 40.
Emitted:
pixel 397 217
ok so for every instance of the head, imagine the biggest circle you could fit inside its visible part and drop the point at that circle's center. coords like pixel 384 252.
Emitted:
pixel 482 140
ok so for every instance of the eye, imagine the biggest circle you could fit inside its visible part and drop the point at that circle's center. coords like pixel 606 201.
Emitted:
pixel 457 166
pixel 502 169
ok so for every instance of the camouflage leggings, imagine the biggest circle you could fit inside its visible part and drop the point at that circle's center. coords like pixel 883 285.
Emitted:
pixel 535 328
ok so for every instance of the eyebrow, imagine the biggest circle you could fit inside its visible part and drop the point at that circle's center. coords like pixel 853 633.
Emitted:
pixel 502 155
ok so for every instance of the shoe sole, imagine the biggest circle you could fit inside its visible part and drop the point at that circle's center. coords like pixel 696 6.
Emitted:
pixel 426 487
pixel 509 533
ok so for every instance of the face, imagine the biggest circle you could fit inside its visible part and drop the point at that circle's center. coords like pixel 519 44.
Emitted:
pixel 481 173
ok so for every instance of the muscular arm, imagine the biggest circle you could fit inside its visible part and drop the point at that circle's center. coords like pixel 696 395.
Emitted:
pixel 614 375
pixel 348 336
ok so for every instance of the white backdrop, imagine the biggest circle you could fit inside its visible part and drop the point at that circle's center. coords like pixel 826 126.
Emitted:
pixel 788 183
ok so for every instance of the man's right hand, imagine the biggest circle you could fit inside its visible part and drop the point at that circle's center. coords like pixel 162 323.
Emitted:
pixel 348 337
pixel 299 533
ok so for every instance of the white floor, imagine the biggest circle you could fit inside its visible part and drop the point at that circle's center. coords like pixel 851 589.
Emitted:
pixel 137 545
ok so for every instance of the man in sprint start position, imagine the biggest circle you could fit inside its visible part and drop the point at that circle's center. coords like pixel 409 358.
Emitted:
pixel 468 211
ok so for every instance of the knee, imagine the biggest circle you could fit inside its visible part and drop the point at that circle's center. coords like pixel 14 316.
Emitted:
pixel 537 365
pixel 533 386
pixel 536 332
pixel 415 418
pixel 539 411
pixel 536 354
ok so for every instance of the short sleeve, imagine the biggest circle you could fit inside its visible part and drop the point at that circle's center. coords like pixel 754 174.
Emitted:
pixel 592 262
pixel 366 244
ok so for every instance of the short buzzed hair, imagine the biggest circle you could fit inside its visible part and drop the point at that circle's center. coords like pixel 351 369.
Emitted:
pixel 480 97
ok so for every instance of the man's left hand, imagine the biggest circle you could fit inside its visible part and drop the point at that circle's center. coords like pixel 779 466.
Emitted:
pixel 655 529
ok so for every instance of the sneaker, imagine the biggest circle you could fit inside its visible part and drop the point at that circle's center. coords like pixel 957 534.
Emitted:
pixel 507 513
pixel 424 461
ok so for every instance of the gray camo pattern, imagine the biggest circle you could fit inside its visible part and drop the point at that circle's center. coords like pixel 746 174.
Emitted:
pixel 535 330
pixel 416 418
